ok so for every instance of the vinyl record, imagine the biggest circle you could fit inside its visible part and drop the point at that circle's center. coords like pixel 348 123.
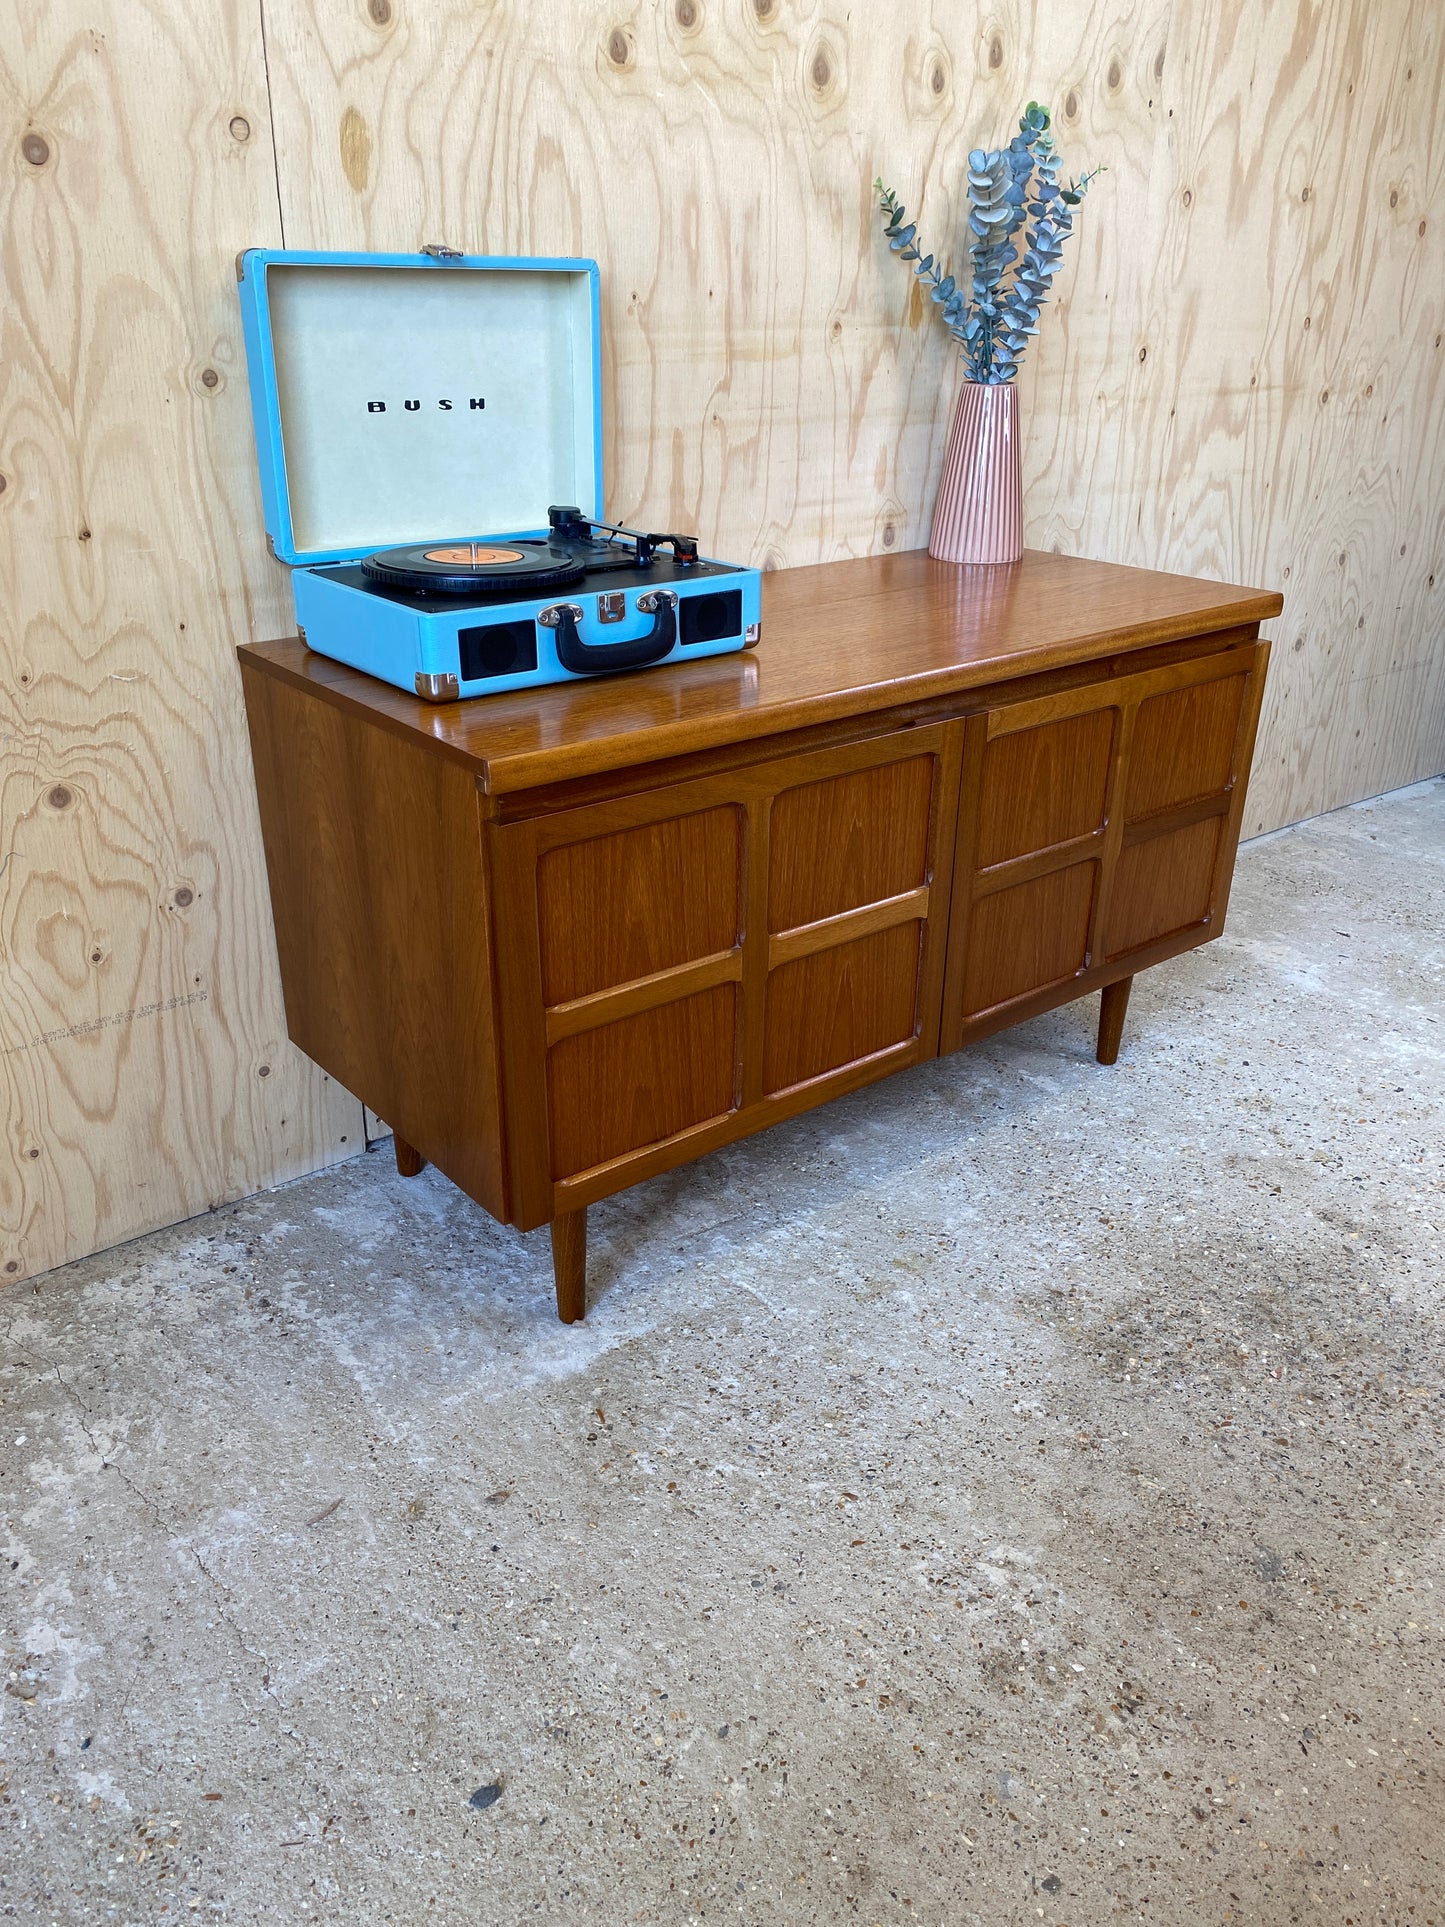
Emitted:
pixel 472 568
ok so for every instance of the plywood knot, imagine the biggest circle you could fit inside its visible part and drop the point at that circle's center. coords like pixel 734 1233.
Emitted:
pixel 355 149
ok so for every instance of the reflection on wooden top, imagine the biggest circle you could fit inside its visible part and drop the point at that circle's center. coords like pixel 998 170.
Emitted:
pixel 838 640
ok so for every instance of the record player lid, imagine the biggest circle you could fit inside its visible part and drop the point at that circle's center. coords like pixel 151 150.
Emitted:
pixel 408 398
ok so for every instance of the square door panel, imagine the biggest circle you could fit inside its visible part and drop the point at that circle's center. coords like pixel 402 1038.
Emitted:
pixel 1042 786
pixel 1162 885
pixel 848 841
pixel 630 1084
pixel 1183 746
pixel 837 1005
pixel 619 907
pixel 1022 939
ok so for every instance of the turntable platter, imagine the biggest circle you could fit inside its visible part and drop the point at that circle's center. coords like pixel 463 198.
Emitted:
pixel 473 568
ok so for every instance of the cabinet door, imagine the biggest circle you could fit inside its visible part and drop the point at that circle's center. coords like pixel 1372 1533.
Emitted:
pixel 1097 834
pixel 683 965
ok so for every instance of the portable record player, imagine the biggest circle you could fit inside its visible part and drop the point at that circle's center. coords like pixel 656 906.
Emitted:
pixel 430 443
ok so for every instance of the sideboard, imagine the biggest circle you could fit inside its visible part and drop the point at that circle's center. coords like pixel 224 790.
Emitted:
pixel 567 938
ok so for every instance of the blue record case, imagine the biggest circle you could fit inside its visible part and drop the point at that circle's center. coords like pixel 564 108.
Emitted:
pixel 449 399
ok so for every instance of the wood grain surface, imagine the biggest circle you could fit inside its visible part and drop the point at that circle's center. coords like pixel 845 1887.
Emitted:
pixel 144 1069
pixel 613 909
pixel 1249 381
pixel 841 640
pixel 1243 379
pixel 733 946
pixel 690 957
pixel 1131 845
pixel 380 903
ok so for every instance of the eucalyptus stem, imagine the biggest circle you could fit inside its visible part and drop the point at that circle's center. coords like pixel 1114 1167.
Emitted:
pixel 1010 188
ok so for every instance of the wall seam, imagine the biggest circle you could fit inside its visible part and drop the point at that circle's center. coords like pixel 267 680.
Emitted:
pixel 271 121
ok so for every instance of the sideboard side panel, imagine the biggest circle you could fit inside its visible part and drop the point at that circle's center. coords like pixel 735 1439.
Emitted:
pixel 380 896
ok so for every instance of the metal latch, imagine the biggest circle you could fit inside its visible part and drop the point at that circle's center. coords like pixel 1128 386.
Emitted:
pixel 439 251
pixel 612 606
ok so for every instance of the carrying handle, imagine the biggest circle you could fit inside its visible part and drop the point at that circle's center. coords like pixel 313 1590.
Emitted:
pixel 600 658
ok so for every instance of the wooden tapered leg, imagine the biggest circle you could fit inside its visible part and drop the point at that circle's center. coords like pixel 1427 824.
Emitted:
pixel 1112 1005
pixel 409 1161
pixel 569 1265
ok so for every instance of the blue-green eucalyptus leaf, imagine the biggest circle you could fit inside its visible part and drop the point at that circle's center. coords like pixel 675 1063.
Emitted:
pixel 1006 188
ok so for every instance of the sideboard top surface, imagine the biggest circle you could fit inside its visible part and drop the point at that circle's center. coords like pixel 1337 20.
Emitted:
pixel 839 639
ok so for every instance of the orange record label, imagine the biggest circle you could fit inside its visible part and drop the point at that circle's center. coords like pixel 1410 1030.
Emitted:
pixel 472 556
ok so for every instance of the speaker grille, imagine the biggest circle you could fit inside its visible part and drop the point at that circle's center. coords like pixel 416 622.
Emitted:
pixel 497 649
pixel 712 618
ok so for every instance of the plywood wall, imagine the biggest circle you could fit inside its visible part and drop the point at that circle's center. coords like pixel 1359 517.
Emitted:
pixel 1244 379
pixel 144 1069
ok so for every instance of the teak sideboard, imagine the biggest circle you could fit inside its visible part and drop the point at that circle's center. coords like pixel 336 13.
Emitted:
pixel 567 938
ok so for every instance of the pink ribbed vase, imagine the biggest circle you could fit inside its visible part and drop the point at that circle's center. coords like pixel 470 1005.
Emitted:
pixel 979 515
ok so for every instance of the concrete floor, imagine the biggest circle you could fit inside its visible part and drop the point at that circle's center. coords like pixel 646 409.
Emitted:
pixel 1012 1494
